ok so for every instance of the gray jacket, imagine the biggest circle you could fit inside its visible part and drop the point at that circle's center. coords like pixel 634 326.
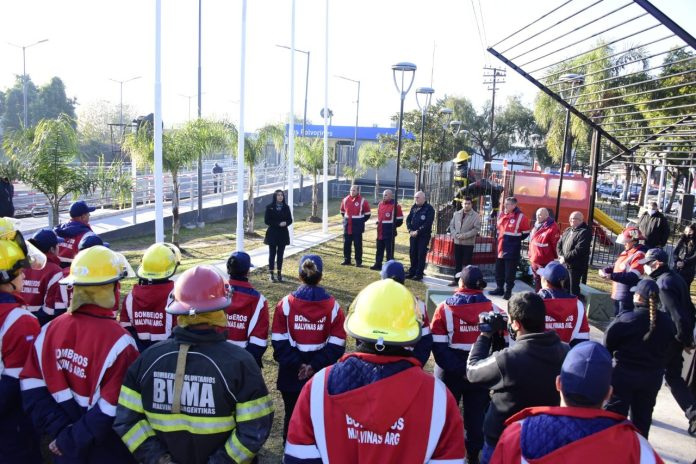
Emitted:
pixel 465 228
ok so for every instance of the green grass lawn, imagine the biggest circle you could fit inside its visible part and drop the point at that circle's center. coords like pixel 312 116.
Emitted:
pixel 216 241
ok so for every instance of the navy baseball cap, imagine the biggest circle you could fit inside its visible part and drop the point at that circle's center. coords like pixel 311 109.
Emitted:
pixel 471 275
pixel 45 239
pixel 393 269
pixel 645 287
pixel 554 272
pixel 89 241
pixel 586 373
pixel 316 259
pixel 655 254
pixel 239 262
pixel 79 208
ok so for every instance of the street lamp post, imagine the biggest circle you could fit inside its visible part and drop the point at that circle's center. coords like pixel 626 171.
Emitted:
pixel 357 113
pixel 304 116
pixel 134 170
pixel 404 68
pixel 536 140
pixel 571 82
pixel 24 75
pixel 427 94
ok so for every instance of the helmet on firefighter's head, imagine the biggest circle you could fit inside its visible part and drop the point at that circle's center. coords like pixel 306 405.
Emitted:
pixel 200 289
pixel 385 313
pixel 12 261
pixel 159 261
pixel 97 265
pixel 461 157
pixel 8 228
pixel 630 233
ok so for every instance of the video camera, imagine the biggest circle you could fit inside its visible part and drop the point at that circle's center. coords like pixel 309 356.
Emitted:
pixel 492 322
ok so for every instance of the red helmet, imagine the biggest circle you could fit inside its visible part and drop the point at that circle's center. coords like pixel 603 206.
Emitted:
pixel 630 233
pixel 199 290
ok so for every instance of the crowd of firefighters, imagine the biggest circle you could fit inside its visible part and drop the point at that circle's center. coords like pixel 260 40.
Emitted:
pixel 173 373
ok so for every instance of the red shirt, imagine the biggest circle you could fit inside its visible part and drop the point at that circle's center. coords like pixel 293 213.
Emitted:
pixel 309 325
pixel 542 243
pixel 40 287
pixel 511 227
pixel 355 208
pixel 143 309
pixel 247 316
pixel 18 329
pixel 384 216
pixel 407 417
pixel 628 261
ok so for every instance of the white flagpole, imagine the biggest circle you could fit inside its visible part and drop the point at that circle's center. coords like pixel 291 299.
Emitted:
pixel 291 125
pixel 159 215
pixel 325 190
pixel 240 137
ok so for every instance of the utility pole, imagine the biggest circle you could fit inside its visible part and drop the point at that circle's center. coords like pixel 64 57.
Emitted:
pixel 492 77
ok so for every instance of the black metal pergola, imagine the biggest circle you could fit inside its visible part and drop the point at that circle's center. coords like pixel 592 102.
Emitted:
pixel 636 77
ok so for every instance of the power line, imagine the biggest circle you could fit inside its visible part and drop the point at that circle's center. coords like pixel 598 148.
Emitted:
pixel 483 46
pixel 483 24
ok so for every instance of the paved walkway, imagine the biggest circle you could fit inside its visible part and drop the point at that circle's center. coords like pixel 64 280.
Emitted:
pixel 668 432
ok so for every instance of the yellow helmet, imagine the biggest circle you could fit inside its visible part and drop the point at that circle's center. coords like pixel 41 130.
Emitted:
pixel 461 157
pixel 159 261
pixel 97 265
pixel 385 313
pixel 12 259
pixel 8 228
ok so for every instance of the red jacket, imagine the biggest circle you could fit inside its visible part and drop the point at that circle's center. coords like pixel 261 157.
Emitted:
pixel 18 329
pixel 542 243
pixel 41 289
pixel 247 319
pixel 385 221
pixel 355 212
pixel 628 261
pixel 458 325
pixel 512 229
pixel 618 444
pixel 407 417
pixel 68 249
pixel 143 311
pixel 567 317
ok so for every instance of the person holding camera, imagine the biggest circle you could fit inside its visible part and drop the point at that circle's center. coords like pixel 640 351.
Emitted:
pixel 455 328
pixel 521 376
pixel 565 313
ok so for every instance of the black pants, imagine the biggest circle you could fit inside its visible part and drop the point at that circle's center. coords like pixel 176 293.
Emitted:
pixel 462 257
pixel 635 390
pixel 475 399
pixel 623 305
pixel 355 239
pixel 687 273
pixel 289 401
pixel 417 250
pixel 576 274
pixel 275 252
pixel 505 270
pixel 382 246
pixel 676 383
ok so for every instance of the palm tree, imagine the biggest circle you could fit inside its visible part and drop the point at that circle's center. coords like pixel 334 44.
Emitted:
pixel 46 154
pixel 180 148
pixel 254 148
pixel 310 158
pixel 374 156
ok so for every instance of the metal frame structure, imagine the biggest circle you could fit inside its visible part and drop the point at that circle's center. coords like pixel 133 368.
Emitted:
pixel 621 99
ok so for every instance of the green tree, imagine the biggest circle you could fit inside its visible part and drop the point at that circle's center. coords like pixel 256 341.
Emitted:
pixel 310 158
pixel 180 148
pixel 46 154
pixel 94 130
pixel 46 102
pixel 254 151
pixel 373 156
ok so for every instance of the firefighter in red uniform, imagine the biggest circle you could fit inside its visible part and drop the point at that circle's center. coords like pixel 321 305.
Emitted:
pixel 421 351
pixel 455 328
pixel 72 378
pixel 307 333
pixel 627 269
pixel 19 443
pixel 513 227
pixel 356 212
pixel 386 228
pixel 143 313
pixel 194 398
pixel 247 315
pixel 578 431
pixel 41 291
pixel 542 243
pixel 565 313
pixel 73 231
pixel 376 404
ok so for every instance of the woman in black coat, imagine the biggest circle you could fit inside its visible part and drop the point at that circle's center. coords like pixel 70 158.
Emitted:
pixel 684 255
pixel 277 218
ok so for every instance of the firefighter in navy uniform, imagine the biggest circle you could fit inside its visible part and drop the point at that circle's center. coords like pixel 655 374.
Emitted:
pixel 195 398
pixel 72 377
pixel 19 443
pixel 388 221
pixel 143 313
pixel 420 224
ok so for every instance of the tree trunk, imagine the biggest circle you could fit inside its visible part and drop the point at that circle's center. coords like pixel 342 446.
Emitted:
pixel 176 224
pixel 315 195
pixel 55 213
pixel 645 188
pixel 250 202
pixel 675 184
